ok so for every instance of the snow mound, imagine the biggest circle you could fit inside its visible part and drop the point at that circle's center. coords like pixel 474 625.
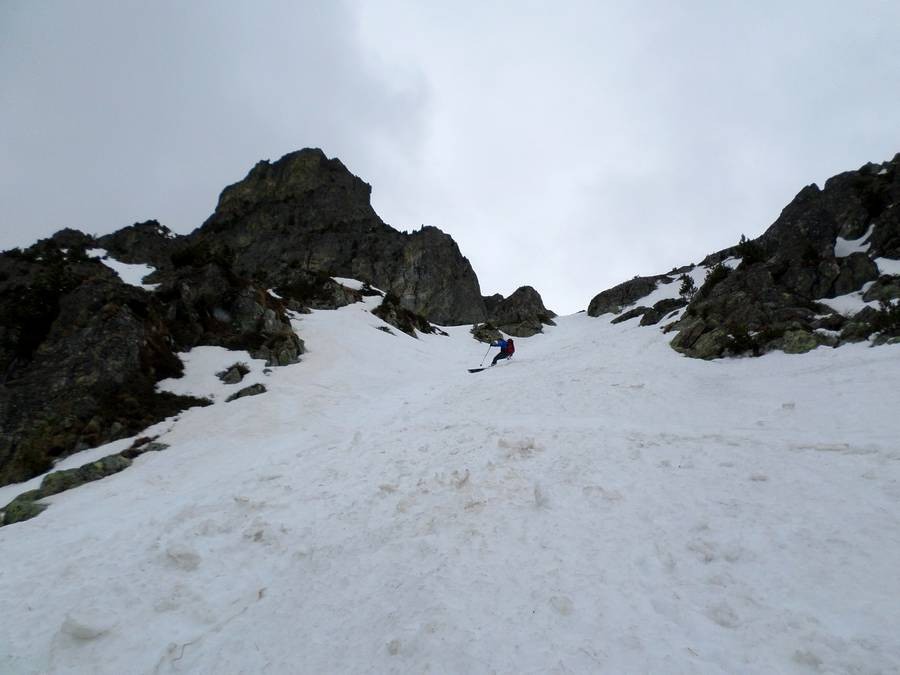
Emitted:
pixel 132 274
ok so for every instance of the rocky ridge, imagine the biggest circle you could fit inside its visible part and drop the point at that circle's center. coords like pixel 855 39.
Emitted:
pixel 81 348
pixel 306 214
pixel 826 272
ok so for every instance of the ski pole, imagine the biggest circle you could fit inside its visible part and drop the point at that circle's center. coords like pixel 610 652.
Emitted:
pixel 485 355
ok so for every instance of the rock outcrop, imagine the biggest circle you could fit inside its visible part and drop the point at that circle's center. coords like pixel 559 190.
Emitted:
pixel 522 314
pixel 81 351
pixel 826 243
pixel 618 297
pixel 306 214
pixel 147 242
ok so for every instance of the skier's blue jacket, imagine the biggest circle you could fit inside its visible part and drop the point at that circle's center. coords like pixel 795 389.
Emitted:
pixel 499 343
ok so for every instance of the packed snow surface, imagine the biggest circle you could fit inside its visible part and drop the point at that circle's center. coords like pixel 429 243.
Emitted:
pixel 598 504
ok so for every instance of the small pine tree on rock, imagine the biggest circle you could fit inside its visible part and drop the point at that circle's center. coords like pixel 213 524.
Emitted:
pixel 688 287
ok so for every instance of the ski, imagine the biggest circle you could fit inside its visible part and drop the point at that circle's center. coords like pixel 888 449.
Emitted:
pixel 478 370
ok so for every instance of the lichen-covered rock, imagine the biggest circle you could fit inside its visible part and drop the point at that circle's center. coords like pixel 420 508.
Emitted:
pixel 486 332
pixel 23 507
pixel 711 345
pixel 234 373
pixel 886 288
pixel 59 481
pixel 799 341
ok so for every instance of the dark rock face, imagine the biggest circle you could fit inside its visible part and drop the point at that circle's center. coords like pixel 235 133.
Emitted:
pixel 631 314
pixel 661 309
pixel 522 314
pixel 491 302
pixel 627 293
pixel 81 351
pixel 210 305
pixel 234 373
pixel 309 213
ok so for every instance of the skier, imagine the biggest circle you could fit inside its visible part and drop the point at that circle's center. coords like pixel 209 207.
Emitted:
pixel 507 349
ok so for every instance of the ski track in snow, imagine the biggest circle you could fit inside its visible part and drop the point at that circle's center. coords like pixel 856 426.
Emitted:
pixel 598 504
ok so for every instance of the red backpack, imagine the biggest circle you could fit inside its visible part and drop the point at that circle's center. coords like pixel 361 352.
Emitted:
pixel 510 347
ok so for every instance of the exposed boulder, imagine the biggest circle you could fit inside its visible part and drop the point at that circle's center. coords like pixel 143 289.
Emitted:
pixel 252 390
pixel 522 314
pixel 393 312
pixel 148 242
pixel 234 373
pixel 26 505
pixel 486 332
pixel 615 299
pixel 631 314
pixel 307 212
pixel 662 309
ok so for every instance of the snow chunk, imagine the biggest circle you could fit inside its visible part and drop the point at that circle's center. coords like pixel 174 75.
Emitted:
pixel 888 266
pixel 132 275
pixel 353 284
pixel 851 303
pixel 844 247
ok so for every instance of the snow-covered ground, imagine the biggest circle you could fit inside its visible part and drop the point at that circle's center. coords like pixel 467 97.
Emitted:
pixel 598 504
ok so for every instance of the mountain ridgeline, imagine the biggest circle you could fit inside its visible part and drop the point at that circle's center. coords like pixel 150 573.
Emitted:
pixel 81 348
pixel 826 272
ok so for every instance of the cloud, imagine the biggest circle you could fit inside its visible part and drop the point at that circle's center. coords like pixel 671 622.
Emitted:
pixel 123 111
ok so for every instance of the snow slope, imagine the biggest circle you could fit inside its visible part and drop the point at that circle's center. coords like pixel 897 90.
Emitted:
pixel 598 504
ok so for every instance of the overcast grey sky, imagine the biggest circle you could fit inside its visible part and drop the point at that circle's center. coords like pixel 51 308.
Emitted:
pixel 567 145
